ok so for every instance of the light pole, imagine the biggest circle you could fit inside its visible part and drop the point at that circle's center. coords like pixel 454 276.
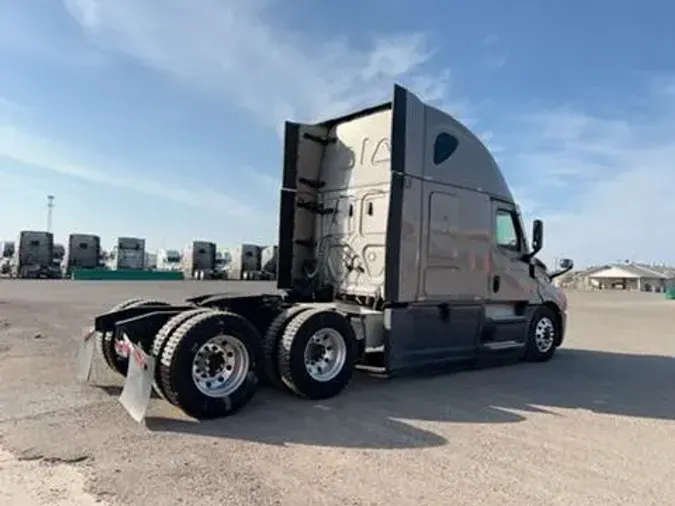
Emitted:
pixel 50 209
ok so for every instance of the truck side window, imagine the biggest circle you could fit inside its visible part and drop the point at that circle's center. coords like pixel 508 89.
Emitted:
pixel 444 146
pixel 507 231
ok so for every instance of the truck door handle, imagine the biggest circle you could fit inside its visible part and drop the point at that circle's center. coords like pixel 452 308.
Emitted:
pixel 496 280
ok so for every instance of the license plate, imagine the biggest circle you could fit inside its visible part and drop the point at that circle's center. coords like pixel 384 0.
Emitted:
pixel 137 389
pixel 85 355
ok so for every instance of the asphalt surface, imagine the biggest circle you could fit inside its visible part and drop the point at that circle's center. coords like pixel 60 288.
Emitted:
pixel 593 426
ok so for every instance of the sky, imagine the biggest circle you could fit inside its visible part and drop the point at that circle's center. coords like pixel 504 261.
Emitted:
pixel 162 119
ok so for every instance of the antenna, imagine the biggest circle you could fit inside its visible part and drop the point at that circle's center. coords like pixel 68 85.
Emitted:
pixel 50 209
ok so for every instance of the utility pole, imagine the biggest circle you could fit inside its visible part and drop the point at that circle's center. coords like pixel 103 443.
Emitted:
pixel 50 210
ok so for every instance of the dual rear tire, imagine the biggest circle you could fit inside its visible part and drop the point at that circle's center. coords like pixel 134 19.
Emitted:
pixel 109 345
pixel 209 362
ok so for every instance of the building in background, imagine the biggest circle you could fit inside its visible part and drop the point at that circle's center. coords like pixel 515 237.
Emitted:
pixel 621 276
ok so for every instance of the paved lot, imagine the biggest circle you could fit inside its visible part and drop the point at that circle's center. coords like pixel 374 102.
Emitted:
pixel 593 426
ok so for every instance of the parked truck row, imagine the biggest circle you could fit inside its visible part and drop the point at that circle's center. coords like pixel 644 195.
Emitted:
pixel 400 249
pixel 36 255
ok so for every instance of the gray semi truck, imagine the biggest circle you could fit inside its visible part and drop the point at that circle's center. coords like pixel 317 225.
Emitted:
pixel 83 252
pixel 34 256
pixel 400 249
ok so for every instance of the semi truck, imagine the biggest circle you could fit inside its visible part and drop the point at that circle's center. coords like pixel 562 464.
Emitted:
pixel 199 260
pixel 34 255
pixel 266 269
pixel 244 260
pixel 6 254
pixel 127 254
pixel 59 255
pixel 83 252
pixel 169 260
pixel 401 250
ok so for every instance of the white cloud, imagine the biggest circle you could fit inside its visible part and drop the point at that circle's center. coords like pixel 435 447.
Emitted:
pixel 45 154
pixel 235 51
pixel 22 31
pixel 604 185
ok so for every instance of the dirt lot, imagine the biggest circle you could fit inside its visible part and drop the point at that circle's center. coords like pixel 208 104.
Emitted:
pixel 593 426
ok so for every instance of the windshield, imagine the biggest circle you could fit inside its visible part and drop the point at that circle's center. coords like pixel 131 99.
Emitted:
pixel 172 257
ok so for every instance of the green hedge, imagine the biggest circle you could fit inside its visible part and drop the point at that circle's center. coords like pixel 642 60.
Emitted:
pixel 125 275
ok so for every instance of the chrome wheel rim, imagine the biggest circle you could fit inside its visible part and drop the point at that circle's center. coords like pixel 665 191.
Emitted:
pixel 544 335
pixel 325 354
pixel 220 366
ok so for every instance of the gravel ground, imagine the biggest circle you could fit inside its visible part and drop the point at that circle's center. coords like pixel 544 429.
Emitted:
pixel 593 426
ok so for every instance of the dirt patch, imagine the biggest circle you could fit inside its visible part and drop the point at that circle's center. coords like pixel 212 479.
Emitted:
pixel 33 482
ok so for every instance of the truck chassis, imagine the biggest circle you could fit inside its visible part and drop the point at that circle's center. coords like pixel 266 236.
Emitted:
pixel 208 355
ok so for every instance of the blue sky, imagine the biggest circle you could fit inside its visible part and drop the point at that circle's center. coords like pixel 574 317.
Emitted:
pixel 161 119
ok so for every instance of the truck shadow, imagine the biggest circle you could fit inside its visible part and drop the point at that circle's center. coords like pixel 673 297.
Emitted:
pixel 405 413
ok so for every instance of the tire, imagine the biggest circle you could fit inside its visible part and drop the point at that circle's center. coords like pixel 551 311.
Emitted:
pixel 542 333
pixel 185 344
pixel 293 371
pixel 162 337
pixel 118 363
pixel 100 337
pixel 270 344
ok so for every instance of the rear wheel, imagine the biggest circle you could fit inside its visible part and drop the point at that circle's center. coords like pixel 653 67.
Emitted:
pixel 162 337
pixel 317 354
pixel 270 344
pixel 114 354
pixel 209 365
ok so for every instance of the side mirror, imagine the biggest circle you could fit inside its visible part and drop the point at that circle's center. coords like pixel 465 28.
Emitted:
pixel 566 263
pixel 537 236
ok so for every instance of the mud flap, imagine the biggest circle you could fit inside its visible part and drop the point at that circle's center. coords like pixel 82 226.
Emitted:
pixel 85 355
pixel 138 383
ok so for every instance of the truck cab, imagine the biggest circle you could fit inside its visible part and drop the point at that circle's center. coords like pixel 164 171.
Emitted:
pixel 403 216
pixel 33 255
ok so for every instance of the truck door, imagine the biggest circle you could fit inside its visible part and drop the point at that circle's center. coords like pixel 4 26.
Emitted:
pixel 509 280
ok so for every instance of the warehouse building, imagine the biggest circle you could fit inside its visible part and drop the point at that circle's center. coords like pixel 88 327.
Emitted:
pixel 622 276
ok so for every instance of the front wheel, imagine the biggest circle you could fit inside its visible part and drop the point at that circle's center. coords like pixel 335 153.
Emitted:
pixel 543 332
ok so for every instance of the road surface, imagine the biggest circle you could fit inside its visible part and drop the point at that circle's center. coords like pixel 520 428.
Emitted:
pixel 595 426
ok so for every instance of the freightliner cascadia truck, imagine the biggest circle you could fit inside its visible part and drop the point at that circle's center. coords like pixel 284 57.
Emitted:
pixel 400 249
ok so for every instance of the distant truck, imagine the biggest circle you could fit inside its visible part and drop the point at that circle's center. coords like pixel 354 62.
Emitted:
pixel 151 261
pixel 169 260
pixel 266 270
pixel 245 260
pixel 34 256
pixel 199 260
pixel 83 252
pixel 268 262
pixel 57 262
pixel 127 254
pixel 6 254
